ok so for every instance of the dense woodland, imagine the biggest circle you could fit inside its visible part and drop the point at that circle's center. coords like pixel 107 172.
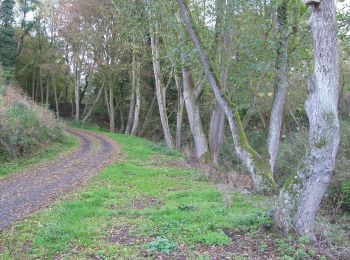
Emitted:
pixel 258 87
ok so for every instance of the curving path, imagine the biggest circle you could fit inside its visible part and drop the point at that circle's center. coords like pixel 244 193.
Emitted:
pixel 25 193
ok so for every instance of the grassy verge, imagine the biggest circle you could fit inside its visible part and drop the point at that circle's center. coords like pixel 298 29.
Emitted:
pixel 43 155
pixel 146 205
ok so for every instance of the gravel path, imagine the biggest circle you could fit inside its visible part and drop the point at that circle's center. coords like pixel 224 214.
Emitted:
pixel 24 193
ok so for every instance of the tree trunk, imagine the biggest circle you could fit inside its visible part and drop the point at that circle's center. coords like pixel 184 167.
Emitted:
pixel 56 98
pixel 132 98
pixel 137 93
pixel 281 84
pixel 191 96
pixel 33 85
pixel 160 90
pixel 301 197
pixel 216 132
pixel 180 110
pixel 94 104
pixel 111 108
pixel 77 91
pixel 224 40
pixel 256 165
pixel 47 92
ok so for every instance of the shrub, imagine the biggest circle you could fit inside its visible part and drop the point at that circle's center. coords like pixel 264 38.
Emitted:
pixel 24 126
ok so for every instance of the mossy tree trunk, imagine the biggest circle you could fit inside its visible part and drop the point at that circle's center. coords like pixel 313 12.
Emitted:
pixel 301 197
pixel 257 166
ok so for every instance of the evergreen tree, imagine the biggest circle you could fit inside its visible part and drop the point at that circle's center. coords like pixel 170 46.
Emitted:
pixel 7 34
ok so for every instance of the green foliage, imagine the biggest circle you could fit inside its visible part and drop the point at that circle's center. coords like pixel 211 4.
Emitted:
pixel 162 245
pixel 25 127
pixel 7 34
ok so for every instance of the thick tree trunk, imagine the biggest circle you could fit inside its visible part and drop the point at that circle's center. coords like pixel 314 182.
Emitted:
pixel 281 84
pixel 224 40
pixel 93 104
pixel 137 94
pixel 160 90
pixel 301 197
pixel 180 111
pixel 216 132
pixel 257 166
pixel 191 96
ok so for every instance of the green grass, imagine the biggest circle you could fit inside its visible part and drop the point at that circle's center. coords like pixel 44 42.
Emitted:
pixel 43 155
pixel 185 209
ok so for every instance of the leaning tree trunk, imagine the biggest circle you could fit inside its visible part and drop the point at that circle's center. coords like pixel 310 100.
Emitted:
pixel 94 104
pixel 281 84
pixel 191 96
pixel 301 197
pixel 256 165
pixel 160 90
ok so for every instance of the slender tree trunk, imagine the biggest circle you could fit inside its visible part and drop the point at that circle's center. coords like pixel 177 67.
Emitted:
pixel 191 97
pixel 132 98
pixel 77 91
pixel 33 85
pixel 301 197
pixel 56 98
pixel 47 92
pixel 93 104
pixel 137 94
pixel 281 84
pixel 66 73
pixel 41 87
pixel 111 108
pixel 257 166
pixel 180 109
pixel 160 90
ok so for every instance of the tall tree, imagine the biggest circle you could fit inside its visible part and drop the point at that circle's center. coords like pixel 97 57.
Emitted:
pixel 7 34
pixel 301 197
pixel 257 166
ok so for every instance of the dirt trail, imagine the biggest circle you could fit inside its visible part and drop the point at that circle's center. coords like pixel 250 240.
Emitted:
pixel 25 193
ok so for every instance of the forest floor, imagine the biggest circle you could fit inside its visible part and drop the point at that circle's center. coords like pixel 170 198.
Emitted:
pixel 151 204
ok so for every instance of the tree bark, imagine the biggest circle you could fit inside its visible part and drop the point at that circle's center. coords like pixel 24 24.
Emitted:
pixel 56 98
pixel 191 97
pixel 300 199
pixel 132 98
pixel 137 93
pixel 160 90
pixel 180 111
pixel 111 108
pixel 223 40
pixel 256 165
pixel 281 84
